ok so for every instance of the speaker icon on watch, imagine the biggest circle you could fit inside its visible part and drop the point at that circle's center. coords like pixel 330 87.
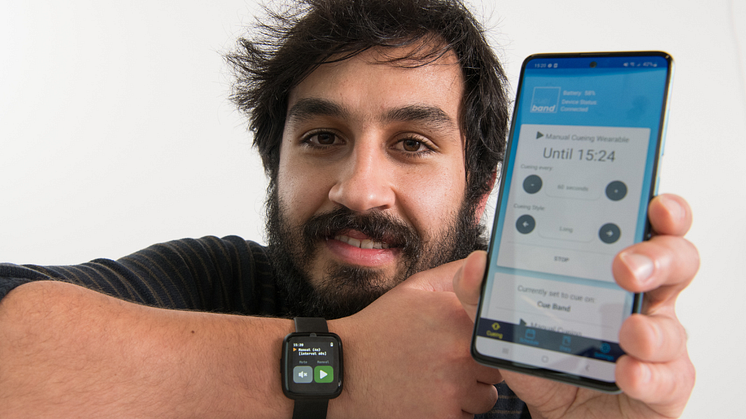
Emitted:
pixel 302 374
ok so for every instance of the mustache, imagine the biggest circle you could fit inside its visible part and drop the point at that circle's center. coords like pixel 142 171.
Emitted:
pixel 377 225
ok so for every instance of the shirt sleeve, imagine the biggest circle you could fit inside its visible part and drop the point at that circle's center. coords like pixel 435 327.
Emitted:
pixel 508 406
pixel 228 275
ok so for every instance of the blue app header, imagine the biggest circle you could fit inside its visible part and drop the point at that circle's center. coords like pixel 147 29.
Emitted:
pixel 594 91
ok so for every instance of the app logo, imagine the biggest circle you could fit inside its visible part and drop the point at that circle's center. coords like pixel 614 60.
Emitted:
pixel 545 100
pixel 302 374
pixel 323 374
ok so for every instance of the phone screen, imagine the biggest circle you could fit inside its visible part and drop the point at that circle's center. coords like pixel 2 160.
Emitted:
pixel 579 172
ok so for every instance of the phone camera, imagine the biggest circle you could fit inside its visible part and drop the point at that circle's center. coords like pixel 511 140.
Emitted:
pixel 593 64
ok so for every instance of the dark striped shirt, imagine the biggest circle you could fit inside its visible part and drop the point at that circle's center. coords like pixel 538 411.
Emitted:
pixel 228 275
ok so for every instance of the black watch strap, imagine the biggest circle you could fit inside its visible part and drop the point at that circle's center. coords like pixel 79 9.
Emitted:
pixel 310 408
pixel 311 325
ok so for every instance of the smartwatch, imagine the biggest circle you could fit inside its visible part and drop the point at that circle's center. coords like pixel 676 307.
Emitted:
pixel 311 367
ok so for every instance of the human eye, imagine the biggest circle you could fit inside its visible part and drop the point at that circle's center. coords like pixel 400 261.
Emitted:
pixel 321 139
pixel 414 146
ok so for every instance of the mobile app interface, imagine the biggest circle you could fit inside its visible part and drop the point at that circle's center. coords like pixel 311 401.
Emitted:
pixel 575 193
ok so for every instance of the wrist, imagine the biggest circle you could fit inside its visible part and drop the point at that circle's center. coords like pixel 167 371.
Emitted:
pixel 343 406
pixel 260 385
pixel 312 367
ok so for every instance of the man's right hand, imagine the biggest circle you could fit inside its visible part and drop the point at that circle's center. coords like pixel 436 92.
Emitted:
pixel 407 355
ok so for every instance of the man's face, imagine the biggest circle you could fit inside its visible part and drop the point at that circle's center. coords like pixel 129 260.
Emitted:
pixel 371 180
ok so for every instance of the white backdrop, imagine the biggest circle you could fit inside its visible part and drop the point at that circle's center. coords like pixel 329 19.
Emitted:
pixel 116 133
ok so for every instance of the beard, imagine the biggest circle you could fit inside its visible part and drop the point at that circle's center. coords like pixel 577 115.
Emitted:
pixel 345 289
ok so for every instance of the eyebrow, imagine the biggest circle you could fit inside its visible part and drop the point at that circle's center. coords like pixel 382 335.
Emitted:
pixel 311 107
pixel 420 113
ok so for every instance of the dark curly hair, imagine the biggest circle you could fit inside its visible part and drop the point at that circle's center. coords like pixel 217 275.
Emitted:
pixel 293 42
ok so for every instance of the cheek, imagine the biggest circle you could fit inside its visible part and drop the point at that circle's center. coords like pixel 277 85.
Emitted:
pixel 433 201
pixel 302 190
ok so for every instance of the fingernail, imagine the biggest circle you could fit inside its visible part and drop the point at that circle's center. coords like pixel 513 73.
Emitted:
pixel 640 265
pixel 674 208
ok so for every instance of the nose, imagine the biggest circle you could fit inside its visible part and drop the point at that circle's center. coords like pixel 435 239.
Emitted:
pixel 364 181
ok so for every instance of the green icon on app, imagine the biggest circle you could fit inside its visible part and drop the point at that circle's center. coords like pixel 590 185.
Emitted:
pixel 323 374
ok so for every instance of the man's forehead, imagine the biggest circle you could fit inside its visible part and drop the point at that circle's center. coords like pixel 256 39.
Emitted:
pixel 401 88
pixel 417 54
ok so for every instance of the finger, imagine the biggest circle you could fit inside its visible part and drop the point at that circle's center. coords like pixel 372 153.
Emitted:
pixel 663 261
pixel 488 375
pixel 655 338
pixel 479 399
pixel 670 214
pixel 542 393
pixel 468 280
pixel 664 387
pixel 436 279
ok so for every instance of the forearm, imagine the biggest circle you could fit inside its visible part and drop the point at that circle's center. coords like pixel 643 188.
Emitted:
pixel 66 351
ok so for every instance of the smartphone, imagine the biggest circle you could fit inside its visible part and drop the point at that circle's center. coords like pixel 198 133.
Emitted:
pixel 581 166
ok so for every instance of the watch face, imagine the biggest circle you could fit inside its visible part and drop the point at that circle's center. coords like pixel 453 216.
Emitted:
pixel 312 365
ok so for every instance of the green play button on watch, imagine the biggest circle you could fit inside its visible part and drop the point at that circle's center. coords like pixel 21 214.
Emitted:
pixel 323 374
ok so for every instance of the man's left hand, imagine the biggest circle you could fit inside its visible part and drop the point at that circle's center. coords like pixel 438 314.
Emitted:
pixel 656 375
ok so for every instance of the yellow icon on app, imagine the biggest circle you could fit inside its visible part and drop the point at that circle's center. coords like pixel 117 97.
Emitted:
pixel 493 333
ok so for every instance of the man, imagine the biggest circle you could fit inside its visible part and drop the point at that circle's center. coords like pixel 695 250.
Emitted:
pixel 380 125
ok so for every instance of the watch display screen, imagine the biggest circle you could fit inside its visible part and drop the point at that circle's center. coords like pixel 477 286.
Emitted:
pixel 312 365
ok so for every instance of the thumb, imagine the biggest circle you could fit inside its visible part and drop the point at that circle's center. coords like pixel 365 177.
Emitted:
pixel 468 280
pixel 436 279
